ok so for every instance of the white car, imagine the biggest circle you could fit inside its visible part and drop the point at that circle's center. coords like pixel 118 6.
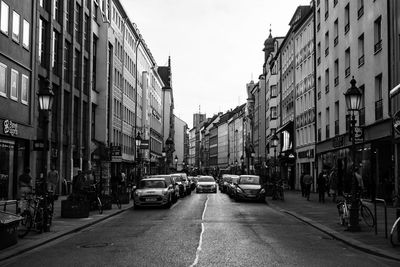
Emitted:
pixel 153 192
pixel 206 184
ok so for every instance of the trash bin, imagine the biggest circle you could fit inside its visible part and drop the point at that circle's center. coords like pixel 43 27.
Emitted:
pixel 8 229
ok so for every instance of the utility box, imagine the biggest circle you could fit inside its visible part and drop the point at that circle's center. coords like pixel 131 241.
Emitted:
pixel 8 229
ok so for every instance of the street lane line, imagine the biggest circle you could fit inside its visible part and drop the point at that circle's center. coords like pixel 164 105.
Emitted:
pixel 201 236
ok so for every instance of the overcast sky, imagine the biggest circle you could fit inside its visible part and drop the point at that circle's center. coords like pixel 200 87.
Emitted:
pixel 215 46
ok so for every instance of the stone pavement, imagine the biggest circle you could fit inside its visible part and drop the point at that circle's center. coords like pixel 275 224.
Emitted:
pixel 60 227
pixel 324 216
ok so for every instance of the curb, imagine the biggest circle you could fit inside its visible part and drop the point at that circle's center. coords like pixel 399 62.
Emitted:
pixel 60 234
pixel 338 236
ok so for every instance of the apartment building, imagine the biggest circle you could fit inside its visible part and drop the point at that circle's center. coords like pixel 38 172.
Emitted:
pixel 236 139
pixel 352 41
pixel 180 134
pixel 305 97
pixel 19 106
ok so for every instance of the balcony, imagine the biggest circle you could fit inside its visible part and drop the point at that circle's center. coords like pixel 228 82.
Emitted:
pixel 335 41
pixel 361 61
pixel 362 116
pixel 336 80
pixel 360 12
pixel 378 110
pixel 378 47
pixel 327 51
pixel 347 72
pixel 346 28
pixel 336 127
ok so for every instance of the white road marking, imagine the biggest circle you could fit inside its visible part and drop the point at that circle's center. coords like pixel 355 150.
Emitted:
pixel 201 236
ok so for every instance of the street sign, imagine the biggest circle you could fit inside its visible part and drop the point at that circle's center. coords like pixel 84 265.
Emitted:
pixel 358 134
pixel 116 153
pixel 144 144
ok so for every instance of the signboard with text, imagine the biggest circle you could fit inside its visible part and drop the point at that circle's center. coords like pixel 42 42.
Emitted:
pixel 116 153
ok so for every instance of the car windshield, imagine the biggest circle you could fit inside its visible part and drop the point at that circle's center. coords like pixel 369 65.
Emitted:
pixel 152 184
pixel 206 179
pixel 179 178
pixel 234 179
pixel 249 180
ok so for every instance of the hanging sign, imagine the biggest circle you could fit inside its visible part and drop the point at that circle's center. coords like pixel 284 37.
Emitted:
pixel 10 128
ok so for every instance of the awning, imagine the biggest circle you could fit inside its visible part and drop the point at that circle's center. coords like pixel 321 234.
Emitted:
pixel 395 90
pixel 287 126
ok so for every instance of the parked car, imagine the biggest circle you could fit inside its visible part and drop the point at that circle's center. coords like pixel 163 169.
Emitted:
pixel 248 187
pixel 224 181
pixel 182 180
pixel 170 181
pixel 230 188
pixel 153 192
pixel 193 182
pixel 206 184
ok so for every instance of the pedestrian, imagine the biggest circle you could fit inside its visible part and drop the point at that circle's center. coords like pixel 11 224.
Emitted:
pixel 78 183
pixel 333 184
pixel 359 180
pixel 25 183
pixel 52 179
pixel 302 186
pixel 308 181
pixel 321 186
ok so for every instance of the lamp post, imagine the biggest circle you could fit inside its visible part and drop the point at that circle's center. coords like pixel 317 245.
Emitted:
pixel 164 155
pixel 253 155
pixel 176 162
pixel 274 144
pixel 46 97
pixel 138 140
pixel 241 163
pixel 353 101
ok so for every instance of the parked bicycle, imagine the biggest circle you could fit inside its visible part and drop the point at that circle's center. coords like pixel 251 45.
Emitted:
pixel 93 195
pixel 116 196
pixel 395 233
pixel 34 212
pixel 278 190
pixel 344 212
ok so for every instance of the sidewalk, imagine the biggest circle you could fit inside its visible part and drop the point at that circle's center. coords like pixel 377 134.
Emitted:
pixel 324 216
pixel 60 227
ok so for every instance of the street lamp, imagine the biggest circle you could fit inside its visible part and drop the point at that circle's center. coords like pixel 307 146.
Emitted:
pixel 138 140
pixel 46 97
pixel 253 155
pixel 241 163
pixel 164 155
pixel 353 101
pixel 176 162
pixel 274 144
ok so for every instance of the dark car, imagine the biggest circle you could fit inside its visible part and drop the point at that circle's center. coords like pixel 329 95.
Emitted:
pixel 183 182
pixel 224 181
pixel 248 187
pixel 230 187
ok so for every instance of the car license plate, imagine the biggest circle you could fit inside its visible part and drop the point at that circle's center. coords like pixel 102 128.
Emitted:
pixel 151 199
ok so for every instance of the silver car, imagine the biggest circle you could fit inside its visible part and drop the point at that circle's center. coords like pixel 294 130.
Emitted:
pixel 206 184
pixel 153 192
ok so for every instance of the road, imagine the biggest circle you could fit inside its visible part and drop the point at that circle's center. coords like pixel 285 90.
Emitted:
pixel 200 230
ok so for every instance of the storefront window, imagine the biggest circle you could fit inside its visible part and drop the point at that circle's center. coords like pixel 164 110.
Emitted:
pixel 6 168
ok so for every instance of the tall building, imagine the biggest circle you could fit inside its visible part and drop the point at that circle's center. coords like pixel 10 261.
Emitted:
pixel 304 96
pixel 352 41
pixel 236 139
pixel 19 106
pixel 198 118
pixel 179 138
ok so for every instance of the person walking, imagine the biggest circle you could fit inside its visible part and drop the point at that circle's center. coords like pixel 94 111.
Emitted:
pixel 333 184
pixel 25 183
pixel 308 181
pixel 52 180
pixel 302 186
pixel 321 186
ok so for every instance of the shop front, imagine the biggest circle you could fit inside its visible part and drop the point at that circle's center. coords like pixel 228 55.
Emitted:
pixel 14 157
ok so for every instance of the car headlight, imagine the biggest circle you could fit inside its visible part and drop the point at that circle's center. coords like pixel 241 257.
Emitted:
pixel 137 193
pixel 239 190
pixel 262 191
pixel 164 191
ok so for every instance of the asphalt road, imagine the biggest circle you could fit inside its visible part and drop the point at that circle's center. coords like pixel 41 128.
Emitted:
pixel 200 230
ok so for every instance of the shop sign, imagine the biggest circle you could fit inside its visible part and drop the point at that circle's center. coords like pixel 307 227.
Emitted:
pixel 116 153
pixel 10 128
pixel 358 134
pixel 144 144
pixel 396 122
pixel 338 141
pixel 38 145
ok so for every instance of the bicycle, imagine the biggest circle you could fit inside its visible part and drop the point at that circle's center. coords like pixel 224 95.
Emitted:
pixel 395 233
pixel 94 197
pixel 278 190
pixel 344 212
pixel 116 196
pixel 32 215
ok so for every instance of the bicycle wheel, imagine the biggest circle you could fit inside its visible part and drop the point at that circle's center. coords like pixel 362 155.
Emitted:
pixel 99 205
pixel 25 224
pixel 367 216
pixel 119 202
pixel 395 233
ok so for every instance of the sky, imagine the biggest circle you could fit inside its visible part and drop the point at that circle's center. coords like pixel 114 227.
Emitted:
pixel 215 46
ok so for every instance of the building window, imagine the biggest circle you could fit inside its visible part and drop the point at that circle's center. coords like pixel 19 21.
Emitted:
pixel 68 17
pixel 347 62
pixel 78 23
pixel 274 113
pixel 24 89
pixel 86 77
pixel 319 85
pixel 361 50
pixel 25 34
pixel 56 55
pixel 326 9
pixel 318 53
pixel 336 117
pixel 274 91
pixel 360 11
pixel 327 80
pixel 14 85
pixel 77 57
pixel 327 43
pixel 94 63
pixel 327 134
pixel 15 26
pixel 3 80
pixel 318 19
pixel 347 18
pixel 378 35
pixel 86 33
pixel 42 42
pixel 56 10
pixel 4 18
pixel 336 74
pixel 336 32
pixel 362 109
pixel 67 62
pixel 378 97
